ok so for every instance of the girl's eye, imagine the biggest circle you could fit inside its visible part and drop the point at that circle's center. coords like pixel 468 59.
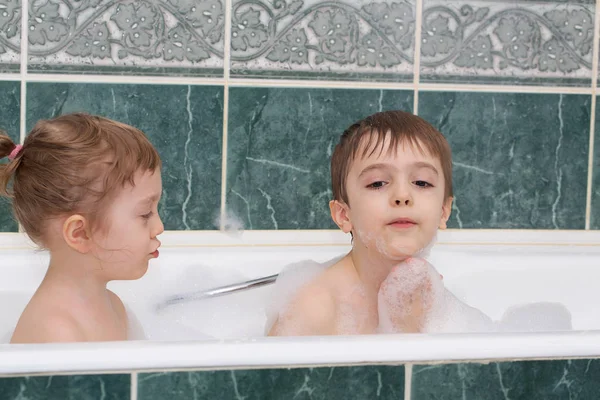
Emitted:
pixel 376 185
pixel 423 184
pixel 147 216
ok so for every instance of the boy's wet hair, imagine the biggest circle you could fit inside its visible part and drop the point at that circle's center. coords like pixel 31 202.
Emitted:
pixel 369 135
pixel 72 164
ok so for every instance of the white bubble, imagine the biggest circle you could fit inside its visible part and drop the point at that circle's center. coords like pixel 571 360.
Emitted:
pixel 536 317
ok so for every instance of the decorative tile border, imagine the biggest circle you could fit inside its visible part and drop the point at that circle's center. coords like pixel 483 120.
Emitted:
pixel 174 37
pixel 10 37
pixel 506 42
pixel 489 42
pixel 366 40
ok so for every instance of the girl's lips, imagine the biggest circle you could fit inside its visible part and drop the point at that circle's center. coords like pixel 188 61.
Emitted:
pixel 154 254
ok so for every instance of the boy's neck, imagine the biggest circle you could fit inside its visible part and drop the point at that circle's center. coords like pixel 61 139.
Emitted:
pixel 371 266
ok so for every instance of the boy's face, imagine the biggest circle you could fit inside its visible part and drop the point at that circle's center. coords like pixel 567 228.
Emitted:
pixel 396 201
pixel 130 241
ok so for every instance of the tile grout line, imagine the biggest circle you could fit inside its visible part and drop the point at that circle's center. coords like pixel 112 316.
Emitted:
pixel 133 394
pixel 590 177
pixel 226 71
pixel 407 381
pixel 242 82
pixel 23 70
pixel 138 79
pixel 23 77
pixel 417 55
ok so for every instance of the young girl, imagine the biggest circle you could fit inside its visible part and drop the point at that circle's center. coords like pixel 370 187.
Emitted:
pixel 86 189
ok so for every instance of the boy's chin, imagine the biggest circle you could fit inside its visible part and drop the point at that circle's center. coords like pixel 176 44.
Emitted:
pixel 400 251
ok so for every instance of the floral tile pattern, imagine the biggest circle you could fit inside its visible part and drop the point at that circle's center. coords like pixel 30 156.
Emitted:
pixel 112 36
pixel 10 35
pixel 303 39
pixel 521 42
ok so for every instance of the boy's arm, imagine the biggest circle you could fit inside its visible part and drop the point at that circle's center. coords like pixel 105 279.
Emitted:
pixel 312 312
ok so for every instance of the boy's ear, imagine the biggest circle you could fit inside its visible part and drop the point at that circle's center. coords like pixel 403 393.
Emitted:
pixel 75 231
pixel 446 210
pixel 339 214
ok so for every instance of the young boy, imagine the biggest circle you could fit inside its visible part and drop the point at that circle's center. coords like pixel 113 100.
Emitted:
pixel 392 186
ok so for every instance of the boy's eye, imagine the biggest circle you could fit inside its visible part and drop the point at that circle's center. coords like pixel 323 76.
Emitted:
pixel 423 184
pixel 147 216
pixel 376 185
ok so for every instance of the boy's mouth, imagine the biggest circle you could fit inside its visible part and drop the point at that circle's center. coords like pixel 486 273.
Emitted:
pixel 403 223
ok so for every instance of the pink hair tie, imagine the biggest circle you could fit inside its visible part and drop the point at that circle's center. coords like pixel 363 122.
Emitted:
pixel 13 154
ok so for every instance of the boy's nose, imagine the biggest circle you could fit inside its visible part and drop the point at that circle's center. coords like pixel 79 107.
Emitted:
pixel 405 202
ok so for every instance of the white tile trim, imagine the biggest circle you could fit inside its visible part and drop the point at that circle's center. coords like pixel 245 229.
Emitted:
pixel 224 142
pixel 408 381
pixel 134 387
pixel 10 77
pixel 23 75
pixel 590 177
pixel 417 54
pixel 292 83
pixel 276 238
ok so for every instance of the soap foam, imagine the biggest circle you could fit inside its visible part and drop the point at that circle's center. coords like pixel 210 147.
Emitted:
pixel 536 317
pixel 413 297
pixel 290 280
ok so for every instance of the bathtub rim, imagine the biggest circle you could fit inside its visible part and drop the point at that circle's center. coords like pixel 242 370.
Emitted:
pixel 147 356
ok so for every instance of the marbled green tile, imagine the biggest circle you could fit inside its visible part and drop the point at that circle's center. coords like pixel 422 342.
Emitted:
pixel 341 383
pixel 185 123
pixel 595 207
pixel 520 160
pixel 279 145
pixel 10 102
pixel 527 380
pixel 72 387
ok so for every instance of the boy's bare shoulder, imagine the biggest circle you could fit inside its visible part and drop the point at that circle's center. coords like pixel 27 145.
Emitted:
pixel 312 310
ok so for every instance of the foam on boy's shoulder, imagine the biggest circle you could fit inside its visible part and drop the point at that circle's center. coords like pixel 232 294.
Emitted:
pixel 290 280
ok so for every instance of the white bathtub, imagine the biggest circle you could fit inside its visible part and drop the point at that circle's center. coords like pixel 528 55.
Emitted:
pixel 490 270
